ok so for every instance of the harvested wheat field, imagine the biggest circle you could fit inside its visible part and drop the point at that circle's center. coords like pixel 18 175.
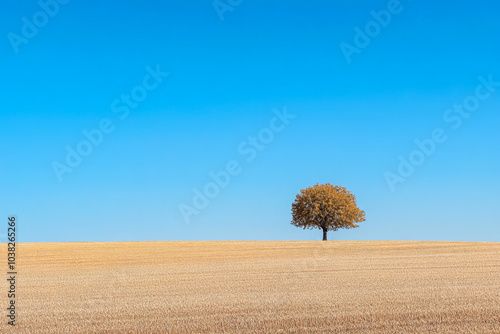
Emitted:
pixel 258 287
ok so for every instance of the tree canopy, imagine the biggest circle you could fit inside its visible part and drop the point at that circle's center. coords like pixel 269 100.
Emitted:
pixel 326 207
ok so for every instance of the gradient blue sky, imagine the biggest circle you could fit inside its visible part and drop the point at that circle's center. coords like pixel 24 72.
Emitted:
pixel 353 120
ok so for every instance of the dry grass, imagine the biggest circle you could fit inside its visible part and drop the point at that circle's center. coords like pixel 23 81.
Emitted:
pixel 258 287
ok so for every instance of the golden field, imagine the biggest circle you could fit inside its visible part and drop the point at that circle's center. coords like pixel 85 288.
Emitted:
pixel 257 287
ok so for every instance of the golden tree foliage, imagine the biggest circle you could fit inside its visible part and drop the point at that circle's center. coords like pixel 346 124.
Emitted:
pixel 326 207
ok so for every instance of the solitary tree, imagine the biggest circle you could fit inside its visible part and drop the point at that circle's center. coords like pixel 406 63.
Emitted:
pixel 326 207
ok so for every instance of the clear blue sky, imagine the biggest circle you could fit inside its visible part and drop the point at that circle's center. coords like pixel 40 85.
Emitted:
pixel 353 120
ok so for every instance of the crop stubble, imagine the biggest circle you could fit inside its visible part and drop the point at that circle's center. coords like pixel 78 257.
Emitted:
pixel 258 287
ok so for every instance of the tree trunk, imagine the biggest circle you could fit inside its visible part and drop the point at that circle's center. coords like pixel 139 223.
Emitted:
pixel 324 234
